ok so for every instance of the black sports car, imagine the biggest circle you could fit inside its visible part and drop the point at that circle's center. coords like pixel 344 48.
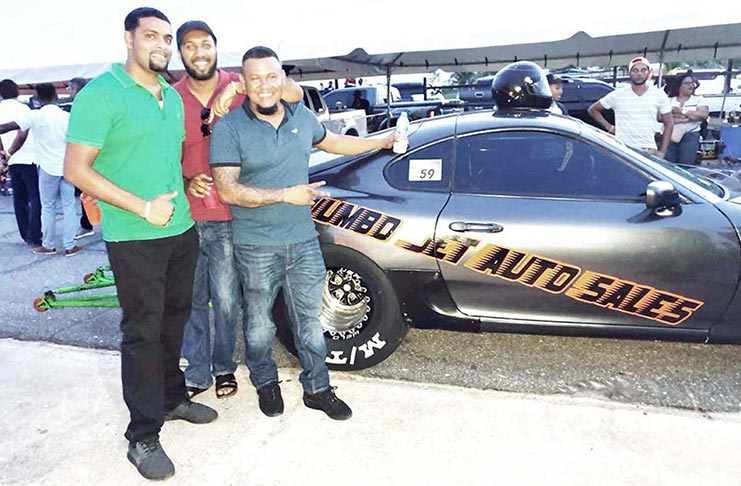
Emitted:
pixel 522 221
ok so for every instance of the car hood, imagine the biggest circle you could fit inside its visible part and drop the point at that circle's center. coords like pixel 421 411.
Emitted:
pixel 728 178
pixel 731 209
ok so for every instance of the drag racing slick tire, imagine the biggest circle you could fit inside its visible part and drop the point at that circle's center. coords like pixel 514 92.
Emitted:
pixel 361 316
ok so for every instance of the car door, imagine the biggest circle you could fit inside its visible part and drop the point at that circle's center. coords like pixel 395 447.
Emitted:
pixel 556 230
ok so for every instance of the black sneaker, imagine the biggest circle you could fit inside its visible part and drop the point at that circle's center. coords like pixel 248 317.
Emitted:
pixel 327 402
pixel 270 399
pixel 195 413
pixel 150 459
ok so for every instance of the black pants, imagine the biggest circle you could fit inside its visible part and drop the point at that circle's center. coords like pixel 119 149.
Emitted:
pixel 84 222
pixel 24 178
pixel 154 279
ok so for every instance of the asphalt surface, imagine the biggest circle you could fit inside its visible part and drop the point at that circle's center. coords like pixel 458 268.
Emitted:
pixel 667 374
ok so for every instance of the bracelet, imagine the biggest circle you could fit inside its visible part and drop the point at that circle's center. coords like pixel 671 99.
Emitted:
pixel 147 209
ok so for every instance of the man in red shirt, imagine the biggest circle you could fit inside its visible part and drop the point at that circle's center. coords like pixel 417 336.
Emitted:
pixel 215 276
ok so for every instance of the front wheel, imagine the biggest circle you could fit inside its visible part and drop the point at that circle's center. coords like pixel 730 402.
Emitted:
pixel 361 317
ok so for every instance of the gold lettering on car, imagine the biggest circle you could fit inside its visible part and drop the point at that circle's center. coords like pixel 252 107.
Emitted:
pixel 524 268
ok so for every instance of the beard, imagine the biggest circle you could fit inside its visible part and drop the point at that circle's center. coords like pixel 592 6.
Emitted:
pixel 200 76
pixel 158 67
pixel 267 110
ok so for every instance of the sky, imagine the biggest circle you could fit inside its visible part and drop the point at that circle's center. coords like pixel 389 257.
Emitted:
pixel 38 33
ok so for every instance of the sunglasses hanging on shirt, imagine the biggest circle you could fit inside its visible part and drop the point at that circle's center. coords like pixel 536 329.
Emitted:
pixel 205 127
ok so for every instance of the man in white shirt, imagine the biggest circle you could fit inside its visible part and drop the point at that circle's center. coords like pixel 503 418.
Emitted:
pixel 48 125
pixel 637 108
pixel 20 158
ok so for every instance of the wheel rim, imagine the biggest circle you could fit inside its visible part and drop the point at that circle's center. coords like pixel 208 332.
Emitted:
pixel 40 304
pixel 346 304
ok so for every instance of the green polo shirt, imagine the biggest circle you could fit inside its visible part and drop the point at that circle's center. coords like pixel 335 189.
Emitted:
pixel 140 145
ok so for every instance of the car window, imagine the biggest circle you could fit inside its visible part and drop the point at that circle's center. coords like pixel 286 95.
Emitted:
pixel 594 93
pixel 344 97
pixel 570 93
pixel 427 169
pixel 316 100
pixel 542 164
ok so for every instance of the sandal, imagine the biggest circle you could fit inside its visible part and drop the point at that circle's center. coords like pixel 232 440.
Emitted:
pixel 227 383
pixel 194 390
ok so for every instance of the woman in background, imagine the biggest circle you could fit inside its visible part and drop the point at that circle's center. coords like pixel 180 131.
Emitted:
pixel 688 113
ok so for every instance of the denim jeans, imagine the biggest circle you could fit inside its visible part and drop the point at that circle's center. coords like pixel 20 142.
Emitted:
pixel 299 270
pixel 52 189
pixel 26 202
pixel 154 279
pixel 215 280
pixel 684 152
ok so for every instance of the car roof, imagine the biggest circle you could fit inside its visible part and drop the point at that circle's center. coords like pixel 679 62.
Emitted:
pixel 570 79
pixel 430 129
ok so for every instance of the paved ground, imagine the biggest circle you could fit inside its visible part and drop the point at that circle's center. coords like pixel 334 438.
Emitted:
pixel 679 375
pixel 63 417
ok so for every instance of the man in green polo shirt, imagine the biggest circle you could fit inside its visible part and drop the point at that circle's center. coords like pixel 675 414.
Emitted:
pixel 123 147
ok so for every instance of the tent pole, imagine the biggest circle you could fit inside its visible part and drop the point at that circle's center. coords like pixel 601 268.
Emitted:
pixel 388 95
pixel 726 88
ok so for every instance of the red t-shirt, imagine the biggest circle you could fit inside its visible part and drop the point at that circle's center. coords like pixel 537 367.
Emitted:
pixel 195 146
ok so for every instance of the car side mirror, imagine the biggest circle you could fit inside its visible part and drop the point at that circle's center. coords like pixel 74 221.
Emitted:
pixel 663 198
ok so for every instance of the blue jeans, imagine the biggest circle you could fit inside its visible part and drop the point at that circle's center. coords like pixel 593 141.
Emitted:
pixel 684 152
pixel 215 280
pixel 52 189
pixel 299 270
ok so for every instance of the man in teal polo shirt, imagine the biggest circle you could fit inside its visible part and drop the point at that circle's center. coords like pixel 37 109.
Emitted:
pixel 260 160
pixel 123 147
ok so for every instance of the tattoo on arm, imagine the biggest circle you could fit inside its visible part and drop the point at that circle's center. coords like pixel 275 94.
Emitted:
pixel 227 183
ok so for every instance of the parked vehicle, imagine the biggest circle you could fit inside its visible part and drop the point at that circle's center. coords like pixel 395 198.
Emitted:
pixel 578 95
pixel 533 223
pixel 345 122
pixel 342 99
pixel 417 91
pixel 339 100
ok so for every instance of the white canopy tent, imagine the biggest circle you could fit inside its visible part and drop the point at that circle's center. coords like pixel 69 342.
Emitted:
pixel 321 40
pixel 687 44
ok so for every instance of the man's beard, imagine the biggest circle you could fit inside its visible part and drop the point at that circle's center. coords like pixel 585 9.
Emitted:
pixel 639 83
pixel 198 76
pixel 270 110
pixel 157 68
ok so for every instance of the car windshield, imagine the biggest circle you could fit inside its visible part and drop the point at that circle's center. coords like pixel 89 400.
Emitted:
pixel 703 182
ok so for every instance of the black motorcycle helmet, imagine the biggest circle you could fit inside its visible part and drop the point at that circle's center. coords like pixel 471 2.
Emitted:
pixel 521 85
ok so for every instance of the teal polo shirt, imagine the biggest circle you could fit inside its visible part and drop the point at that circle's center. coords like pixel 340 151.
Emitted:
pixel 269 159
pixel 140 146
